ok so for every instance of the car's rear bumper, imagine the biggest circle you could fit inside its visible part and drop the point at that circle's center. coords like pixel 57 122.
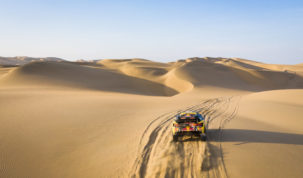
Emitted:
pixel 179 133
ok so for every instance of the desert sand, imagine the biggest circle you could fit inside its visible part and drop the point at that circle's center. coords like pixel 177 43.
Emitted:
pixel 112 118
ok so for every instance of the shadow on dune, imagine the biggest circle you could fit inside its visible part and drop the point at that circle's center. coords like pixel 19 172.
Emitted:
pixel 256 136
pixel 7 66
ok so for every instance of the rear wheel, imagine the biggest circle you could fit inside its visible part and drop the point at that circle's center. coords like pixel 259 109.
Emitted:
pixel 175 138
pixel 203 137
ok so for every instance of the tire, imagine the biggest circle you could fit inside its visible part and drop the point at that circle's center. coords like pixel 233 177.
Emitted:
pixel 203 137
pixel 175 138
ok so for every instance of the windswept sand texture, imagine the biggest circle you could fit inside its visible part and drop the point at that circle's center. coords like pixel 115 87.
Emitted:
pixel 112 118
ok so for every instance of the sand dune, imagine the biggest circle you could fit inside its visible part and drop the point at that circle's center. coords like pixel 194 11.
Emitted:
pixel 112 118
pixel 53 74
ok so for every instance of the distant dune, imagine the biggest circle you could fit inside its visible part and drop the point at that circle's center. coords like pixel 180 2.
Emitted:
pixel 21 60
pixel 112 118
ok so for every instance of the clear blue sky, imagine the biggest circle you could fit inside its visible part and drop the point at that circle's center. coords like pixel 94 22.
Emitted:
pixel 270 31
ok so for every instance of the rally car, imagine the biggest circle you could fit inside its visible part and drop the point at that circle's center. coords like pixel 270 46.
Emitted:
pixel 189 123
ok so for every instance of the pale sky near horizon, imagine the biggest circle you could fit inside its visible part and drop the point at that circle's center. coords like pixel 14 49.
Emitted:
pixel 269 31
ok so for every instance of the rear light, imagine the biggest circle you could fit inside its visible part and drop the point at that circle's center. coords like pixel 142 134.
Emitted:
pixel 200 124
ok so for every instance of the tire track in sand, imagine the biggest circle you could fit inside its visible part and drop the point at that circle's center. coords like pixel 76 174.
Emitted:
pixel 160 157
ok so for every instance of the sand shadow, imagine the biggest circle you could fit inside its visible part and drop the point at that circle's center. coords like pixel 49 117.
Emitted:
pixel 255 136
